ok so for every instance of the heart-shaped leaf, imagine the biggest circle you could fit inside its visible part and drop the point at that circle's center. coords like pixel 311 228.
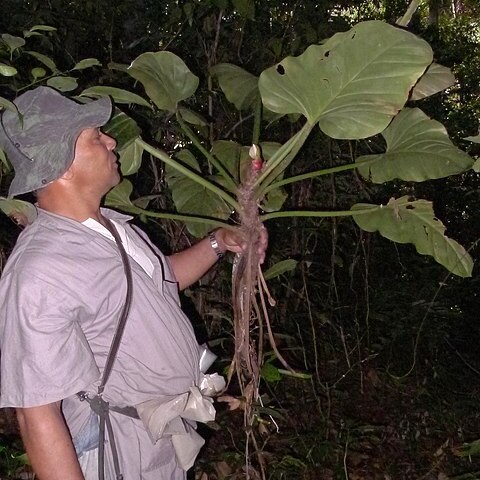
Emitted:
pixel 119 197
pixel 165 77
pixel 239 86
pixel 190 197
pixel 123 129
pixel 413 221
pixel 130 158
pixel 352 85
pixel 418 149
pixel 12 42
pixel 436 79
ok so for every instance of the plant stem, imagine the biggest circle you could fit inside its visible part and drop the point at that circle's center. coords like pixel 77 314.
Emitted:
pixel 313 213
pixel 281 159
pixel 257 121
pixel 161 155
pixel 223 172
pixel 305 176
pixel 186 218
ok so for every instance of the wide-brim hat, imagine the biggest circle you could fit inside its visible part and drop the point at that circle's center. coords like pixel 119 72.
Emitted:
pixel 40 140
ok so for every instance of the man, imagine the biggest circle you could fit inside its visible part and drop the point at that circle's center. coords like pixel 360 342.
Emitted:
pixel 62 292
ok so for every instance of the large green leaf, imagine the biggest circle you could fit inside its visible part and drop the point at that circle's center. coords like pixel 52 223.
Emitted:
pixel 119 95
pixel 418 149
pixel 119 197
pixel 130 158
pixel 190 197
pixel 352 85
pixel 239 86
pixel 123 129
pixel 228 154
pixel 436 79
pixel 413 221
pixel 165 77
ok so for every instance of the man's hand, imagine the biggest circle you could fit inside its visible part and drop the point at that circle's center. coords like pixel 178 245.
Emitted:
pixel 191 264
pixel 233 241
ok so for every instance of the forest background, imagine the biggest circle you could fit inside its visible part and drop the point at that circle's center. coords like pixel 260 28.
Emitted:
pixel 389 338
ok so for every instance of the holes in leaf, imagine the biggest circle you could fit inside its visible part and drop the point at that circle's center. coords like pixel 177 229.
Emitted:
pixel 327 53
pixel 410 207
pixel 280 69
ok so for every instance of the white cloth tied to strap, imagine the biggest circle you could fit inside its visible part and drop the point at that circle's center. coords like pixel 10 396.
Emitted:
pixel 173 415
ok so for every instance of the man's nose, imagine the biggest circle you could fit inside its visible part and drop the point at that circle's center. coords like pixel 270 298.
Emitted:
pixel 110 142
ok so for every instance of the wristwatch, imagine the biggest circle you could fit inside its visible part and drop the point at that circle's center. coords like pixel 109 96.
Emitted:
pixel 214 244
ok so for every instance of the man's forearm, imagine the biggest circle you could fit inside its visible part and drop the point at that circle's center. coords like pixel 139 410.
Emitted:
pixel 191 264
pixel 48 443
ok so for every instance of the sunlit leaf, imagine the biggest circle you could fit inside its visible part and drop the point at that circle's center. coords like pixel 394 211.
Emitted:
pixel 7 70
pixel 87 63
pixel 476 165
pixel 352 85
pixel 165 77
pixel 436 79
pixel 280 268
pixel 12 41
pixel 239 86
pixel 63 84
pixel 413 221
pixel 119 197
pixel 47 61
pixel 418 149
pixel 119 95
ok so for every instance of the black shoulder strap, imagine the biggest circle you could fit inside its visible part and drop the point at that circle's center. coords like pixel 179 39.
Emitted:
pixel 126 308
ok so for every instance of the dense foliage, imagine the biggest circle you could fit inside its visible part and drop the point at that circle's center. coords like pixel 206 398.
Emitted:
pixel 388 337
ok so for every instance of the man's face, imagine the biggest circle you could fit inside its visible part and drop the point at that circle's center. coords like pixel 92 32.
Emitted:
pixel 95 168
